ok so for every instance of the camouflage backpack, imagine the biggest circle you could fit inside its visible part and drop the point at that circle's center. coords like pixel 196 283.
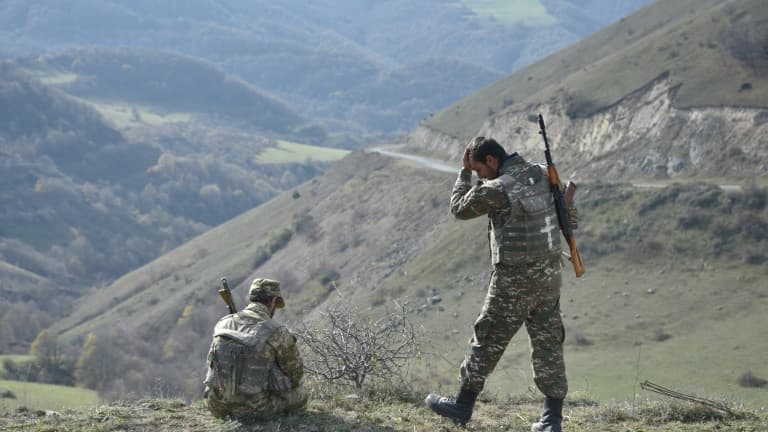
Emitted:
pixel 238 361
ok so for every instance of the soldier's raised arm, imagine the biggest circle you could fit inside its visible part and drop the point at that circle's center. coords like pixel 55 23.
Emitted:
pixel 469 201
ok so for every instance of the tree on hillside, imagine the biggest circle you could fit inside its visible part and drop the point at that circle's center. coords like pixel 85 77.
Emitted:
pixel 94 366
pixel 45 349
pixel 48 366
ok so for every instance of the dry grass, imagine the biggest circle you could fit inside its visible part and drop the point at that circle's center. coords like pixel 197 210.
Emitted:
pixel 383 411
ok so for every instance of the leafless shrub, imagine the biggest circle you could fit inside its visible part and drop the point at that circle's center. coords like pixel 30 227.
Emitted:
pixel 747 45
pixel 753 226
pixel 755 257
pixel 755 197
pixel 344 346
pixel 580 339
pixel 665 196
pixel 747 379
pixel 660 335
pixel 707 196
pixel 695 218
pixel 644 250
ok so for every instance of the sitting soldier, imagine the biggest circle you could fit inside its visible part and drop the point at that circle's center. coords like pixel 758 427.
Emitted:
pixel 254 366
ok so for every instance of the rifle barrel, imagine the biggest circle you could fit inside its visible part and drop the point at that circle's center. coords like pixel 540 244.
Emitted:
pixel 560 206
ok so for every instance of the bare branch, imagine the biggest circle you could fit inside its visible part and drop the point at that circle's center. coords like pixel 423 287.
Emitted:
pixel 347 346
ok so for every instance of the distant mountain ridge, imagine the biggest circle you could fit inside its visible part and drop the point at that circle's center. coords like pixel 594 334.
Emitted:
pixel 327 59
pixel 665 92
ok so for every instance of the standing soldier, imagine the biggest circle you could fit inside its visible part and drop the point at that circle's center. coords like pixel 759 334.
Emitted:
pixel 254 366
pixel 525 285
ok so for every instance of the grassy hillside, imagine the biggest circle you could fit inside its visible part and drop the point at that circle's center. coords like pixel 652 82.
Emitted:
pixel 290 152
pixel 650 306
pixel 653 305
pixel 530 12
pixel 162 80
pixel 710 49
pixel 257 240
pixel 385 413
pixel 83 202
pixel 36 396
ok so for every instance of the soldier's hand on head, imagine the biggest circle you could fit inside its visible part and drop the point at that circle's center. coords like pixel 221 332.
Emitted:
pixel 465 161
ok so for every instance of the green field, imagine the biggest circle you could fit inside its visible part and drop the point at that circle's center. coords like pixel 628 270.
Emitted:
pixel 56 78
pixel 16 358
pixel 529 12
pixel 45 396
pixel 290 152
pixel 122 115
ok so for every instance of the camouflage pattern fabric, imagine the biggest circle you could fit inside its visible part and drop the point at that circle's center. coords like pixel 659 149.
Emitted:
pixel 269 382
pixel 520 208
pixel 259 408
pixel 525 286
pixel 529 294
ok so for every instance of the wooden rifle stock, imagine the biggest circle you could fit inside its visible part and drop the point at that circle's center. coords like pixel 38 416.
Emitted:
pixel 561 208
pixel 226 295
pixel 568 195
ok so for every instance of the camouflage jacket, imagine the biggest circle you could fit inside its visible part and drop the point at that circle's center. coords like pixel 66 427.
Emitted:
pixel 522 222
pixel 280 345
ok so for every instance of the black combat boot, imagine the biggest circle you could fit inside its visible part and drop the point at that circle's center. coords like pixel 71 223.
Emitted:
pixel 458 409
pixel 551 416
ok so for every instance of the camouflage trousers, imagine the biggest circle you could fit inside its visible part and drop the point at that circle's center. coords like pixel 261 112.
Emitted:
pixel 527 294
pixel 261 407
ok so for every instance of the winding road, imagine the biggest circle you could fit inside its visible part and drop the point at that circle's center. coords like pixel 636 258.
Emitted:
pixel 438 165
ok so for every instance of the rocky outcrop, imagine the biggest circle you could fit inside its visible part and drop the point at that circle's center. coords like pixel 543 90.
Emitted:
pixel 641 136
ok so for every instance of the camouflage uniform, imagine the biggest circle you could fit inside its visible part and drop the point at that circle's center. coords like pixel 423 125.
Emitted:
pixel 525 285
pixel 270 383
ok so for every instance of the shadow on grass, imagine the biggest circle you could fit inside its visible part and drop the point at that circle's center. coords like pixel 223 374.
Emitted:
pixel 315 422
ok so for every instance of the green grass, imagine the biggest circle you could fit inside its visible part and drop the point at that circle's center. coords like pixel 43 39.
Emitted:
pixel 16 358
pixel 122 115
pixel 57 78
pixel 51 76
pixel 45 396
pixel 291 152
pixel 387 413
pixel 529 12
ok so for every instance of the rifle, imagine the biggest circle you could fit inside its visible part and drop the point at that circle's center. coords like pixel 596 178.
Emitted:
pixel 560 203
pixel 226 295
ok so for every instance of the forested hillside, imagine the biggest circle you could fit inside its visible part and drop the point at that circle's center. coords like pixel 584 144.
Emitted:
pixel 329 59
pixel 129 127
pixel 172 82
pixel 83 203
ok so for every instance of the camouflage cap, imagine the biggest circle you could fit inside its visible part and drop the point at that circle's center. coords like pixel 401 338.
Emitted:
pixel 271 287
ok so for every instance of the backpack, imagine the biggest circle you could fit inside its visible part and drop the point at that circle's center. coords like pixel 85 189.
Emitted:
pixel 238 362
